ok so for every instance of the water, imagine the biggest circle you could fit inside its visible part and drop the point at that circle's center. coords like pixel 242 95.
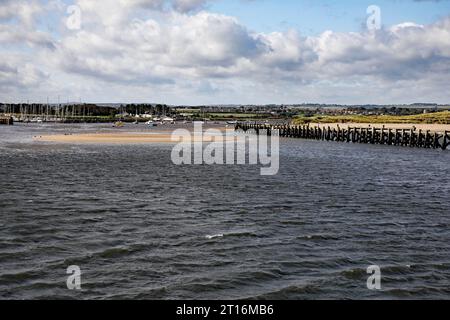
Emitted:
pixel 140 227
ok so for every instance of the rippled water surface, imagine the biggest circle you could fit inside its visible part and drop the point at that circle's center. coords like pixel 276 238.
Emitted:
pixel 142 228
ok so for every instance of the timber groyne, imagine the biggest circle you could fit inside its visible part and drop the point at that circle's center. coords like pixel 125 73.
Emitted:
pixel 383 136
pixel 6 120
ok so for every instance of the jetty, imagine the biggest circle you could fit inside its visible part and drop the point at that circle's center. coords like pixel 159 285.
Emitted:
pixel 382 136
pixel 6 121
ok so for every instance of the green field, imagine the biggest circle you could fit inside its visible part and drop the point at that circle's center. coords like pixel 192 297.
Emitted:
pixel 234 115
pixel 225 115
pixel 427 118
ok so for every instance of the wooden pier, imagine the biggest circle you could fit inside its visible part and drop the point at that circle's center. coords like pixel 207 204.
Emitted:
pixel 383 136
pixel 7 121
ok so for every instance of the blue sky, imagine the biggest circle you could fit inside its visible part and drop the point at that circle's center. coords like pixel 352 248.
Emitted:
pixel 311 17
pixel 225 51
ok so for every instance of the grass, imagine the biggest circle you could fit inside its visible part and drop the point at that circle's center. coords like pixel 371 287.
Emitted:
pixel 427 118
pixel 227 115
pixel 233 115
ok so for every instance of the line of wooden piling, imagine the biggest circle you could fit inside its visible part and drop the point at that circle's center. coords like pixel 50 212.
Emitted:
pixel 382 136
pixel 6 121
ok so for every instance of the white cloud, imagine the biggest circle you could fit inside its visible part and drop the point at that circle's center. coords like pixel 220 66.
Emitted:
pixel 188 5
pixel 17 72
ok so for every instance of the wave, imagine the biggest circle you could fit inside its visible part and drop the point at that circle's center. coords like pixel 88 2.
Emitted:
pixel 243 233
pixel 19 277
pixel 289 292
pixel 318 237
pixel 214 236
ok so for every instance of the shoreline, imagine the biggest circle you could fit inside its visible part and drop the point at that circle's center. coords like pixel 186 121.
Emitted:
pixel 126 138
pixel 164 135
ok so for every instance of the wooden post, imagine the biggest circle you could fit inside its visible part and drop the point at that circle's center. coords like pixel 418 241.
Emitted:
pixel 419 139
pixel 428 139
pixel 436 141
pixel 446 141
pixel 411 137
pixel 390 137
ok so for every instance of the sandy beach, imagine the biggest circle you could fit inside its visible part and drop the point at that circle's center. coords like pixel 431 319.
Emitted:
pixel 126 138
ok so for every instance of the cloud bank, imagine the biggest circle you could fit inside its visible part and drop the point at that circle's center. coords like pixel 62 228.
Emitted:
pixel 178 52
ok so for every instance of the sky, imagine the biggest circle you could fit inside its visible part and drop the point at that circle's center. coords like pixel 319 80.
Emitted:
pixel 193 52
pixel 311 17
